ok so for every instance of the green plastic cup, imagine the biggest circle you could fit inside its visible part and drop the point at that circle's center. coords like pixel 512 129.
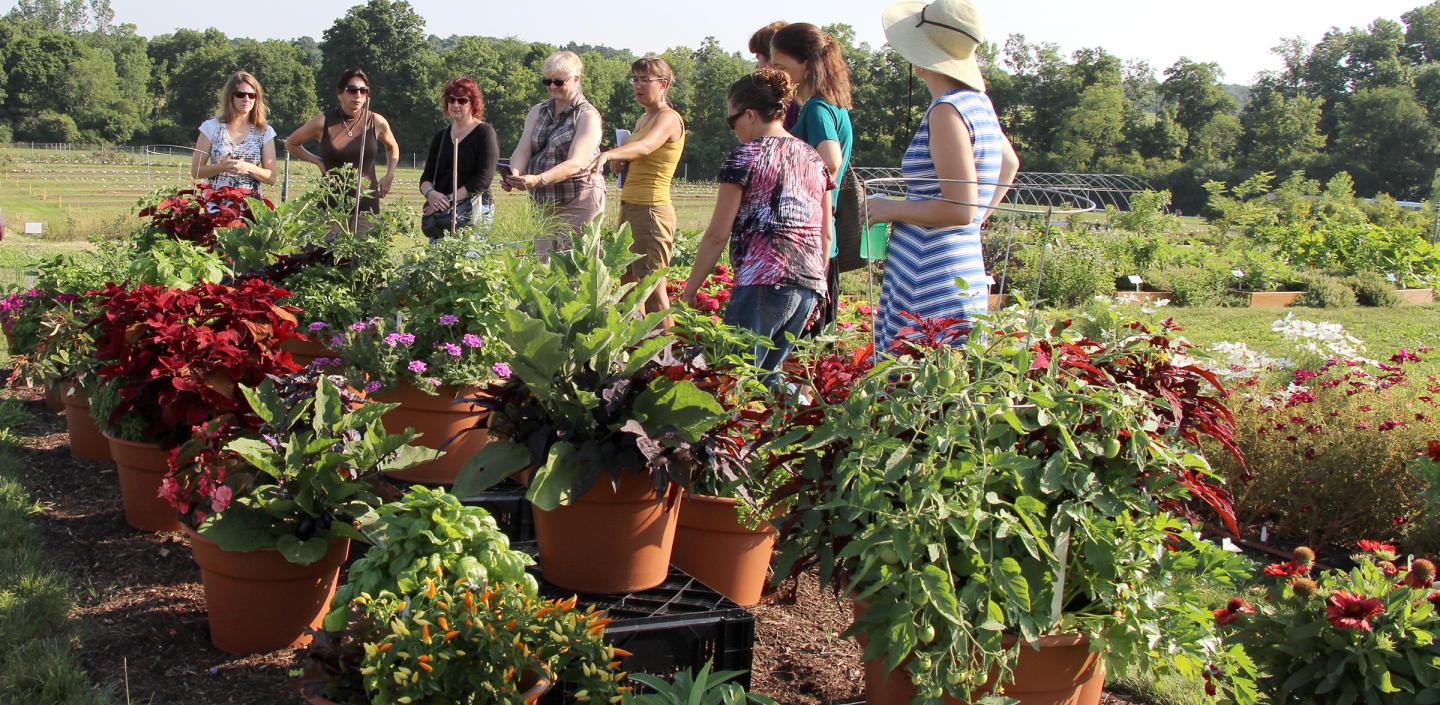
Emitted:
pixel 872 246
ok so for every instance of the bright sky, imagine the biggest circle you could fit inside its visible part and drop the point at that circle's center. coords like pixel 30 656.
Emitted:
pixel 1237 34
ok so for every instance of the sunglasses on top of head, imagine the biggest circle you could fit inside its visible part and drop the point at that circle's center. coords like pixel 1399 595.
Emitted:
pixel 357 90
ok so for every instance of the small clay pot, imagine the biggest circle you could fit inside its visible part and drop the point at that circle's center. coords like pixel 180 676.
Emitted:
pixel 712 547
pixel 141 467
pixel 86 441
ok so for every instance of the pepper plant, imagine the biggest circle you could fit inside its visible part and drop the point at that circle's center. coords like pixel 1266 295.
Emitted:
pixel 1030 482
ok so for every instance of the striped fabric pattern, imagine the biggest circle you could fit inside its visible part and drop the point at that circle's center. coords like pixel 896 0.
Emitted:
pixel 922 264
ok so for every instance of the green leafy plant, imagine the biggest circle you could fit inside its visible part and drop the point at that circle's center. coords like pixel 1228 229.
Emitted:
pixel 1325 291
pixel 1364 635
pixel 1371 289
pixel 301 478
pixel 704 687
pixel 1033 482
pixel 595 389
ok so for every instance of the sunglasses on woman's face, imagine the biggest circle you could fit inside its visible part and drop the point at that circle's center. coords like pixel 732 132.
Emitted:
pixel 557 82
pixel 732 119
pixel 357 90
pixel 245 95
pixel 457 99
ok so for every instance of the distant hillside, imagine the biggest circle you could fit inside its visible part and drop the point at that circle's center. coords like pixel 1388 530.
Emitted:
pixel 1241 94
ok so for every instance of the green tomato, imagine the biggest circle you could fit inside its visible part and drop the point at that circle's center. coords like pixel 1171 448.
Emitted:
pixel 1112 447
pixel 927 633
pixel 889 556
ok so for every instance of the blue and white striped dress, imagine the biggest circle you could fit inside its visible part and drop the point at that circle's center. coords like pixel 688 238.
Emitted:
pixel 922 264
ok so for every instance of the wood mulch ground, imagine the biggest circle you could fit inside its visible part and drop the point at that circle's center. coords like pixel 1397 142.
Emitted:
pixel 142 608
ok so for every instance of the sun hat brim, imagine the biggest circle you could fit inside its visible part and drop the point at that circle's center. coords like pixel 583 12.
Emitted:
pixel 914 43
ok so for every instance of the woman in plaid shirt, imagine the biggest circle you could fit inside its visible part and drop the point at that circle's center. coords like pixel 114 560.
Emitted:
pixel 552 160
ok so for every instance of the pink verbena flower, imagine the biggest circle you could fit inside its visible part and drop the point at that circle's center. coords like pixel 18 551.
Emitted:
pixel 449 320
pixel 418 366
pixel 501 370
pixel 472 341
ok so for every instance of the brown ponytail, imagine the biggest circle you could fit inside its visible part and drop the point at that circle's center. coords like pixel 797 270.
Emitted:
pixel 767 92
pixel 826 74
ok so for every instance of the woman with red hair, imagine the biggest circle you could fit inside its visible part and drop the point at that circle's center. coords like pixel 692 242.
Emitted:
pixel 460 164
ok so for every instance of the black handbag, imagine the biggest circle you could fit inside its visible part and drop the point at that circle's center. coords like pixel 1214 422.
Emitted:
pixel 437 224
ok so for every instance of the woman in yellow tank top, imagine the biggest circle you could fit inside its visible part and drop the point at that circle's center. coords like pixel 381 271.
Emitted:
pixel 648 161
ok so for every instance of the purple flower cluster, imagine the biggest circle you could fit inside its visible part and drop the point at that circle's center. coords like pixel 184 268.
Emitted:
pixel 449 320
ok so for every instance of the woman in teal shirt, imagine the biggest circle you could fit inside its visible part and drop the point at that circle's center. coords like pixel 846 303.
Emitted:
pixel 813 61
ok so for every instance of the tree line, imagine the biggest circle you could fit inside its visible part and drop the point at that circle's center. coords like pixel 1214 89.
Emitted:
pixel 1362 100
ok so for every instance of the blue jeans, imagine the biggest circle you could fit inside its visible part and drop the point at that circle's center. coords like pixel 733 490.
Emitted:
pixel 773 312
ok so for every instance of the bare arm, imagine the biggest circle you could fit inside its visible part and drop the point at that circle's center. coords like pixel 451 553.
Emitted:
pixel 667 128
pixel 266 172
pixel 717 235
pixel 830 153
pixel 582 149
pixel 200 166
pixel 309 132
pixel 1009 167
pixel 955 167
pixel 392 152
pixel 520 158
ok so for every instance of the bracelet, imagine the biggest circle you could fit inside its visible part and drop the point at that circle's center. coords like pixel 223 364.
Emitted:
pixel 541 177
pixel 426 193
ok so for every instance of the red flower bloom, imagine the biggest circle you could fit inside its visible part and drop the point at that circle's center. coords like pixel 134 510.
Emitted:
pixel 1384 550
pixel 1232 611
pixel 1432 450
pixel 1348 611
pixel 1287 569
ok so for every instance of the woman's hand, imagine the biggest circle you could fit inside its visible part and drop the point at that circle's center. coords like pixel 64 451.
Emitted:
pixel 233 165
pixel 384 185
pixel 524 182
pixel 598 164
pixel 880 209
pixel 688 297
pixel 436 202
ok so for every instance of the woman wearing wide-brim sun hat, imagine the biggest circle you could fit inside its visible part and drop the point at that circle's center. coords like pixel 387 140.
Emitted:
pixel 957 168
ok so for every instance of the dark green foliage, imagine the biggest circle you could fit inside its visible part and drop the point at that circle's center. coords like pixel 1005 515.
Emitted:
pixel 1373 290
pixel 1325 291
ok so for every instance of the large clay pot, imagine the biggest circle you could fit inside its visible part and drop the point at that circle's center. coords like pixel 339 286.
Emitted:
pixel 609 541
pixel 1274 299
pixel 712 547
pixel 257 601
pixel 141 467
pixel 438 418
pixel 1416 297
pixel 304 351
pixel 1062 672
pixel 86 441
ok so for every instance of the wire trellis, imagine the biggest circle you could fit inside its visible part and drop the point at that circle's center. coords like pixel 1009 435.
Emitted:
pixel 1023 200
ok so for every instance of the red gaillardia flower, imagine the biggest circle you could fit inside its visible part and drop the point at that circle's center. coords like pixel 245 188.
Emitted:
pixel 1382 550
pixel 1422 574
pixel 1287 569
pixel 1349 611
pixel 1232 611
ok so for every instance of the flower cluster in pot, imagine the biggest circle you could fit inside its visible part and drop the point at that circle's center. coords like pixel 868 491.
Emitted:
pixel 59 342
pixel 293 471
pixel 1030 482
pixel 442 610
pixel 438 325
pixel 1362 635
pixel 596 389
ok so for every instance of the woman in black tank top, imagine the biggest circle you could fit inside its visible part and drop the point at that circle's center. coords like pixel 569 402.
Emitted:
pixel 351 134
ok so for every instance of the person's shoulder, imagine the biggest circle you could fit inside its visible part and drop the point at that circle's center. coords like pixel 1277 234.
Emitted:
pixel 268 133
pixel 209 126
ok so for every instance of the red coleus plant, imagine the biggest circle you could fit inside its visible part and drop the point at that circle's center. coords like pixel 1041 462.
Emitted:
pixel 194 214
pixel 180 355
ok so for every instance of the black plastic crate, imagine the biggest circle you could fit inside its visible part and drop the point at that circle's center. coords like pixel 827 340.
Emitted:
pixel 506 502
pixel 678 625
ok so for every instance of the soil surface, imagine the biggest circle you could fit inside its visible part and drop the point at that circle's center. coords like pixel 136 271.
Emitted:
pixel 139 598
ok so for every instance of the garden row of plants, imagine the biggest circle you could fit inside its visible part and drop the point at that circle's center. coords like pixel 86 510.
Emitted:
pixel 1021 508
pixel 1326 246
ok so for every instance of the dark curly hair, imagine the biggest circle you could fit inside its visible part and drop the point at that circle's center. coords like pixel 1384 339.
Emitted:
pixel 767 91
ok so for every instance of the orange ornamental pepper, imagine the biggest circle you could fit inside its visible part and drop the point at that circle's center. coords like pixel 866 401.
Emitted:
pixel 425 635
pixel 510 625
pixel 542 612
pixel 622 653
pixel 451 635
pixel 570 603
pixel 470 601
pixel 509 673
pixel 423 658
pixel 442 605
pixel 444 625
pixel 426 667
pixel 429 587
pixel 384 647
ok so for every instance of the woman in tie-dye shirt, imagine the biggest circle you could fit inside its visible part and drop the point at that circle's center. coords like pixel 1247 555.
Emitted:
pixel 773 210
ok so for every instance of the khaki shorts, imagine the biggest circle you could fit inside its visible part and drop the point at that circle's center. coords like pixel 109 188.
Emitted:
pixel 574 217
pixel 652 232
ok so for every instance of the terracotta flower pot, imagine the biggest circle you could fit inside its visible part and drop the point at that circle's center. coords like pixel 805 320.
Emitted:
pixel 257 601
pixel 305 351
pixel 438 418
pixel 712 547
pixel 1416 297
pixel 86 441
pixel 608 542
pixel 1062 672
pixel 141 467
pixel 53 400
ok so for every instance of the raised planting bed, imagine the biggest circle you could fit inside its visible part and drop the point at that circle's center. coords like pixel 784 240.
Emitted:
pixel 1274 299
pixel 1416 297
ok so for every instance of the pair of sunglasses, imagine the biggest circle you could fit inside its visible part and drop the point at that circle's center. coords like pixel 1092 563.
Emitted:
pixel 243 94
pixel 547 82
pixel 460 99
pixel 357 90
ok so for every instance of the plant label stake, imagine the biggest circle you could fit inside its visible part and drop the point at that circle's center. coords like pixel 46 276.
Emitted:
pixel 1239 279
pixel 1136 280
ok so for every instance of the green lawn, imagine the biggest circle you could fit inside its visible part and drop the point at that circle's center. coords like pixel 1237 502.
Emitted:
pixel 1383 329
